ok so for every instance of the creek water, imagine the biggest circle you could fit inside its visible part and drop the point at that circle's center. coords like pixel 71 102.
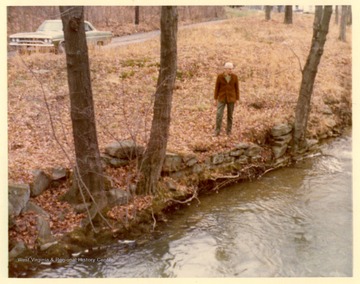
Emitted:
pixel 293 222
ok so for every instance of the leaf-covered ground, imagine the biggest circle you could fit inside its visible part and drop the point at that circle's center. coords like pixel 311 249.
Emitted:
pixel 267 55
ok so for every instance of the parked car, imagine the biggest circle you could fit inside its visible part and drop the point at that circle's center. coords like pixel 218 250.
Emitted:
pixel 50 36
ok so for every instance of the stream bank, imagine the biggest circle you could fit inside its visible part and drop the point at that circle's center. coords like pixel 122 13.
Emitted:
pixel 293 222
pixel 184 179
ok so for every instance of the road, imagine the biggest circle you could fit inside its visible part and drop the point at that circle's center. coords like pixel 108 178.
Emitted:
pixel 140 37
pixel 134 38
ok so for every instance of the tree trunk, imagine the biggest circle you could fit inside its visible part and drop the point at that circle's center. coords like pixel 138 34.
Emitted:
pixel 342 33
pixel 320 30
pixel 349 16
pixel 137 15
pixel 154 156
pixel 288 15
pixel 268 12
pixel 337 14
pixel 88 182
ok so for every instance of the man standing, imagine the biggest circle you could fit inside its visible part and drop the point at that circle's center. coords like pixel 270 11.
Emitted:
pixel 226 94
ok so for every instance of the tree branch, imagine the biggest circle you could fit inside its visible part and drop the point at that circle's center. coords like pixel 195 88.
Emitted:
pixel 79 179
pixel 299 61
pixel 194 196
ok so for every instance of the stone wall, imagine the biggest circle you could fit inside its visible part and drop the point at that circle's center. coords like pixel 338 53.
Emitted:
pixel 178 168
pixel 119 153
pixel 232 162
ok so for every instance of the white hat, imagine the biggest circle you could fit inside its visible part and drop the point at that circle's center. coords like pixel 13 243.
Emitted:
pixel 229 65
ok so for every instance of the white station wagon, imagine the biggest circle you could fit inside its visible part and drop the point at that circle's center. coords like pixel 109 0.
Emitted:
pixel 50 36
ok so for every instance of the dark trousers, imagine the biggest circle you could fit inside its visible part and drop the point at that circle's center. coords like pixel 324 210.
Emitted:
pixel 220 114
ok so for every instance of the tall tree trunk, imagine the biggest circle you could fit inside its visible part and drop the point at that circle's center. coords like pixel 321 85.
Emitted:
pixel 88 182
pixel 344 13
pixel 268 12
pixel 349 16
pixel 320 30
pixel 137 15
pixel 337 14
pixel 288 19
pixel 154 156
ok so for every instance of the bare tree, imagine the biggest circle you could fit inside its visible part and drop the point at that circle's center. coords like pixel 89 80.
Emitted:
pixel 88 182
pixel 349 16
pixel 337 14
pixel 137 15
pixel 268 12
pixel 288 19
pixel 156 149
pixel 343 20
pixel 320 30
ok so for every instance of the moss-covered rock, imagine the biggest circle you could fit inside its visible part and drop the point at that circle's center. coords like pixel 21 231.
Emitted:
pixel 56 251
pixel 81 238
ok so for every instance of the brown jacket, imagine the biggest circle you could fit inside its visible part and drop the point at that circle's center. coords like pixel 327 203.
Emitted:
pixel 227 92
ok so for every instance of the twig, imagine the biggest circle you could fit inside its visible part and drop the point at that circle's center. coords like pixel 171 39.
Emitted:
pixel 92 199
pixel 226 177
pixel 269 170
pixel 299 61
pixel 232 179
pixel 223 184
pixel 152 214
pixel 194 196
pixel 48 110
pixel 79 179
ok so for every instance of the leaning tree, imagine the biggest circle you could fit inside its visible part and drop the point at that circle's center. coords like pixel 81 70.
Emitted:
pixel 152 162
pixel 320 30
